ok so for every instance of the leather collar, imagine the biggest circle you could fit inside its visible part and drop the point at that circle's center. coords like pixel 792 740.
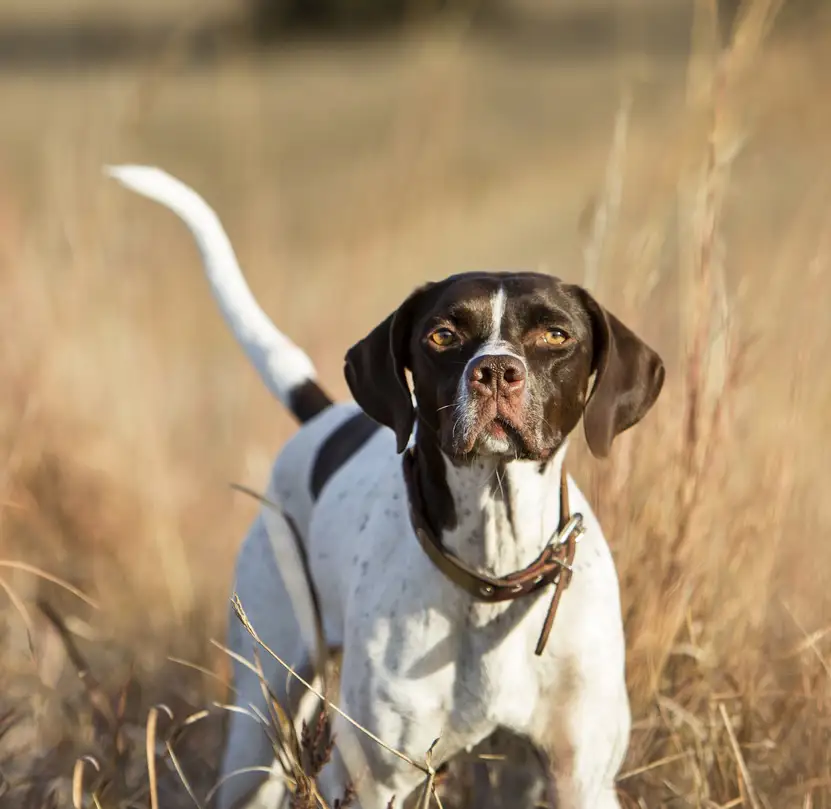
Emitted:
pixel 552 566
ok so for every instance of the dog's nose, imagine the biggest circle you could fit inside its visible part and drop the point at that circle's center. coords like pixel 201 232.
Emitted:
pixel 497 373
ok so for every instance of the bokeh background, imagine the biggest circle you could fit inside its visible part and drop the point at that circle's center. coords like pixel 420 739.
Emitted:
pixel 673 155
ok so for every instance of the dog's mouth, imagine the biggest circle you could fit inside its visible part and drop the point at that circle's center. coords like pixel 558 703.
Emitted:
pixel 492 432
pixel 500 436
pixel 501 429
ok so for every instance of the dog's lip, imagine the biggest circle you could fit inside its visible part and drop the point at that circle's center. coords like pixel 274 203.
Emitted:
pixel 504 425
pixel 496 428
pixel 507 430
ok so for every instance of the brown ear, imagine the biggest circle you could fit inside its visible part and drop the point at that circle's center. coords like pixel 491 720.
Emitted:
pixel 629 376
pixel 374 371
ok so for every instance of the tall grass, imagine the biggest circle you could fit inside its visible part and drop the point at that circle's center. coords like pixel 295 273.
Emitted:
pixel 127 409
pixel 722 670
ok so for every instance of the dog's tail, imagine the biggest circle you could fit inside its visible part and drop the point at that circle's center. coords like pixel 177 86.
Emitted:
pixel 285 368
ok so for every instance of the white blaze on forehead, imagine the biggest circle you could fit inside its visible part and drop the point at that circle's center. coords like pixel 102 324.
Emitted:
pixel 495 344
pixel 497 313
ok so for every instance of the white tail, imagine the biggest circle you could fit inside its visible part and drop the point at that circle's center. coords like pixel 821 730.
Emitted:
pixel 283 366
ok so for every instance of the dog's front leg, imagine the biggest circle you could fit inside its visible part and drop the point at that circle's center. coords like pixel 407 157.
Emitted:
pixel 402 714
pixel 378 778
pixel 585 742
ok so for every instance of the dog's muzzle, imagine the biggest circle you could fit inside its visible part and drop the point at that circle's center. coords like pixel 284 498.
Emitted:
pixel 492 404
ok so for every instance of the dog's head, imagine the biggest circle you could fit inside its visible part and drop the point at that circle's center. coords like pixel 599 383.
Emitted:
pixel 501 365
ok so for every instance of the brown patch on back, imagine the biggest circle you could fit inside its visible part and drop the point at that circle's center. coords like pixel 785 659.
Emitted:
pixel 339 447
pixel 308 400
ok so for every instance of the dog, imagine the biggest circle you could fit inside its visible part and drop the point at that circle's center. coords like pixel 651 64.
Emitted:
pixel 414 506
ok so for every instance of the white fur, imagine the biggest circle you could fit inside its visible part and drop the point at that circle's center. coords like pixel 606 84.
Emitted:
pixel 497 313
pixel 495 345
pixel 421 660
pixel 281 364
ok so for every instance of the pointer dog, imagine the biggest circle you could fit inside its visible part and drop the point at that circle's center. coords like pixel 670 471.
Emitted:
pixel 503 366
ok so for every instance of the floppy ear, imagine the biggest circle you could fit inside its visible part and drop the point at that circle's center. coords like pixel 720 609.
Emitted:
pixel 629 376
pixel 374 371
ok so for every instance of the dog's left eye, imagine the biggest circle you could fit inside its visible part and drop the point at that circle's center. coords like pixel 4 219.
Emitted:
pixel 553 337
pixel 442 337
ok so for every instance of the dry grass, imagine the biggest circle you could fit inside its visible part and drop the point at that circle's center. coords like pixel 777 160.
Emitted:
pixel 127 409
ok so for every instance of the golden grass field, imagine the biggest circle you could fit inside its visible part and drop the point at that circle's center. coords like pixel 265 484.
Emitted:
pixel 690 192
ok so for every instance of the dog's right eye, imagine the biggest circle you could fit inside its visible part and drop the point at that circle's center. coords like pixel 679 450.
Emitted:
pixel 442 337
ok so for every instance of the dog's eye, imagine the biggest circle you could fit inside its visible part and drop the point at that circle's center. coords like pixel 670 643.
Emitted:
pixel 442 337
pixel 553 337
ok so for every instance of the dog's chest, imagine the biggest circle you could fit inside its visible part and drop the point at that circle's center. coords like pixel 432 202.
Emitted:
pixel 466 667
pixel 496 674
pixel 458 669
pixel 421 645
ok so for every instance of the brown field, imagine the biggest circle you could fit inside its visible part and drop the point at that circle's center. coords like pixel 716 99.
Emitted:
pixel 692 193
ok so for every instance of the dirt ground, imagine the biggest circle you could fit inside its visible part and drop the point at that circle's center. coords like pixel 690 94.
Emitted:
pixel 609 145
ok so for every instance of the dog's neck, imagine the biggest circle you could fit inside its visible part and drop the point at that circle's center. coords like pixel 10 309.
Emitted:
pixel 495 515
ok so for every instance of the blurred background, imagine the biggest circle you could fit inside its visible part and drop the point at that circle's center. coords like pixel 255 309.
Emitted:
pixel 672 155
